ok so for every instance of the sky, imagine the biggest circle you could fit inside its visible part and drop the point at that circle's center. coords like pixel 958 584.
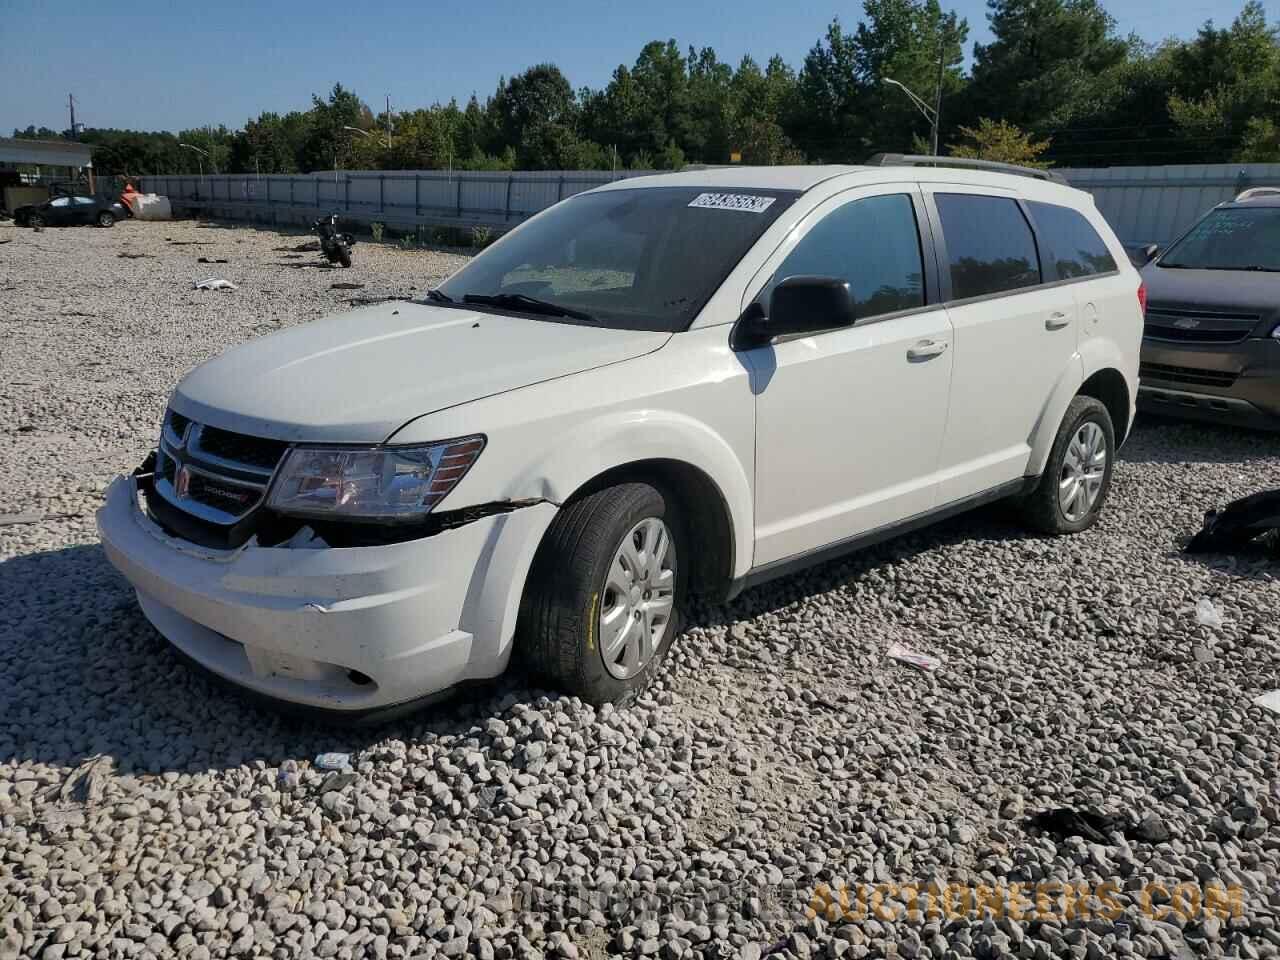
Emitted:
pixel 168 66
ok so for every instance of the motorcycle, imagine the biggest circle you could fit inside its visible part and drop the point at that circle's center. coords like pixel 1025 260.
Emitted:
pixel 335 246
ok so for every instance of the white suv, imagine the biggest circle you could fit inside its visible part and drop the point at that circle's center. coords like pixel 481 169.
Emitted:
pixel 687 382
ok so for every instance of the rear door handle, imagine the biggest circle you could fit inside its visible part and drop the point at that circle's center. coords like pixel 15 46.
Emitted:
pixel 926 350
pixel 1057 320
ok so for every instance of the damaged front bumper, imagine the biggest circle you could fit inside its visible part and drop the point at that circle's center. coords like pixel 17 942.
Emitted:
pixel 355 630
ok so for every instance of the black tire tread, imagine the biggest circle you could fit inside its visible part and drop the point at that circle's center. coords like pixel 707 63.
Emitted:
pixel 554 618
pixel 1040 508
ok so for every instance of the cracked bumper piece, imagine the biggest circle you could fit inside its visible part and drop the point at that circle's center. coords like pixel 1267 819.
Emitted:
pixel 349 630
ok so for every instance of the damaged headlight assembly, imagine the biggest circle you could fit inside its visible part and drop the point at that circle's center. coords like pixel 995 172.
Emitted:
pixel 383 483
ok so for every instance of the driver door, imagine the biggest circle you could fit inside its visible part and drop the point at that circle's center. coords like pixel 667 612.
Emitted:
pixel 850 422
pixel 58 211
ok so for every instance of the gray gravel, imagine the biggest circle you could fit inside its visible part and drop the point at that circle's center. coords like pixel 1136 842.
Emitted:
pixel 146 813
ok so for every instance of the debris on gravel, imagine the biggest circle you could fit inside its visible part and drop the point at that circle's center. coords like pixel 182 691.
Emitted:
pixel 782 790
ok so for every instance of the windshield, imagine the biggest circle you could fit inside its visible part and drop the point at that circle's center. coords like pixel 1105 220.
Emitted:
pixel 1234 238
pixel 639 259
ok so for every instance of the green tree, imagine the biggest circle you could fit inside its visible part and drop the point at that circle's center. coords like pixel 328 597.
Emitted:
pixel 328 144
pixel 1001 141
pixel 1043 61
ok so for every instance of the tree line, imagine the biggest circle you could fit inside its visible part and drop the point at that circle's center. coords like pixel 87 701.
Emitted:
pixel 1056 84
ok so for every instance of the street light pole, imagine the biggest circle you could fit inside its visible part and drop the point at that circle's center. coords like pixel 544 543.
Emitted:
pixel 930 113
pixel 937 97
pixel 199 161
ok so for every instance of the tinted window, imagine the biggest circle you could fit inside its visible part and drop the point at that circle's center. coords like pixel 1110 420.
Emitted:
pixel 989 244
pixel 646 259
pixel 1233 238
pixel 1072 247
pixel 872 244
pixel 60 202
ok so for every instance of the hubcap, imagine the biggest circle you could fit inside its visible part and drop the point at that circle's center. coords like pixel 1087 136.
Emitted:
pixel 1083 467
pixel 638 598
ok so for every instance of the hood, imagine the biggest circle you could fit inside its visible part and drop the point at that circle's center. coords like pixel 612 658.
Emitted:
pixel 1243 293
pixel 358 377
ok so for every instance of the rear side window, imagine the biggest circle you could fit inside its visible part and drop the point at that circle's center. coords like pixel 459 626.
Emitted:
pixel 990 245
pixel 1072 248
pixel 873 244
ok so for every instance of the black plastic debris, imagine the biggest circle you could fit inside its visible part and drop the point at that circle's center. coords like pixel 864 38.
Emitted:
pixel 1251 521
pixel 1096 827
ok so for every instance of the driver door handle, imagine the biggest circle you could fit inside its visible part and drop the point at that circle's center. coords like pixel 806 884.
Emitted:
pixel 1057 320
pixel 926 350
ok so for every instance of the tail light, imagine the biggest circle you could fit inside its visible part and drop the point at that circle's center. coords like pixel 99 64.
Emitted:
pixel 1142 298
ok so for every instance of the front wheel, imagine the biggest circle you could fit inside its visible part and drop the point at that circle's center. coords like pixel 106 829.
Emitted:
pixel 602 603
pixel 1077 476
pixel 35 222
pixel 344 256
pixel 106 219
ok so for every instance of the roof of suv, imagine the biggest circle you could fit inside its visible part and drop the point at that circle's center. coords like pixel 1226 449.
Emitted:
pixel 764 178
pixel 804 178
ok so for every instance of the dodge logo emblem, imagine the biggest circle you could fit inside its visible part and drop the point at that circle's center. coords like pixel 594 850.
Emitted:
pixel 182 481
pixel 1186 323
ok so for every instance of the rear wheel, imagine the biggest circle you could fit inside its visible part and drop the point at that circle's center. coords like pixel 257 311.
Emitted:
pixel 602 604
pixel 35 221
pixel 106 219
pixel 1077 476
pixel 344 256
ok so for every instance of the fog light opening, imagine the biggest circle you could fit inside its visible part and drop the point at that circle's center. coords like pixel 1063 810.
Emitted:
pixel 358 678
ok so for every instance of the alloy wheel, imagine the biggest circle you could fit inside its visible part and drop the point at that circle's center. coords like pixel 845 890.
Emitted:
pixel 1084 466
pixel 638 599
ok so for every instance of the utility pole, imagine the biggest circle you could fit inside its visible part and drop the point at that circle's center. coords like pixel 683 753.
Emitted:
pixel 937 97
pixel 71 105
pixel 388 121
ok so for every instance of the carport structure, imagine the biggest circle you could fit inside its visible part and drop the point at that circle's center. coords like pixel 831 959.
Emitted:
pixel 27 166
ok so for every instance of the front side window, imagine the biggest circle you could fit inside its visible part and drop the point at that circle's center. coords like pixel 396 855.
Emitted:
pixel 872 244
pixel 1072 247
pixel 990 245
pixel 83 201
pixel 646 258
pixel 1234 238
pixel 60 202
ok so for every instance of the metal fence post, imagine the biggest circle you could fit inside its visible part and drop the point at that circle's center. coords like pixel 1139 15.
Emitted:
pixel 382 180
pixel 291 191
pixel 458 198
pixel 346 191
pixel 417 195
pixel 506 214
pixel 317 183
pixel 560 189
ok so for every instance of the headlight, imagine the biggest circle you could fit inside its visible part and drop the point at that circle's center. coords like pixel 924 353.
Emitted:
pixel 373 483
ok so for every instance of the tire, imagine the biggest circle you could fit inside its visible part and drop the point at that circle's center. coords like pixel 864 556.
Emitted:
pixel 565 633
pixel 1086 426
pixel 35 222
pixel 344 256
pixel 106 219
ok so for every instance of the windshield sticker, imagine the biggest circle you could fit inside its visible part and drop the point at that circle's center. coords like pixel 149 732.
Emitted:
pixel 733 201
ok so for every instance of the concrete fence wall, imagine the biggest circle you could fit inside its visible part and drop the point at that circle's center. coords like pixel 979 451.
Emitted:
pixel 1142 204
pixel 402 199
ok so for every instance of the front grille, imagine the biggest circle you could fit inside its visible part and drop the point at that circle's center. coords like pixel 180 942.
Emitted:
pixel 241 449
pixel 215 477
pixel 1197 326
pixel 1191 375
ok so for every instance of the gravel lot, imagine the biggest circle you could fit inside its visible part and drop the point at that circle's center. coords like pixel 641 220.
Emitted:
pixel 147 813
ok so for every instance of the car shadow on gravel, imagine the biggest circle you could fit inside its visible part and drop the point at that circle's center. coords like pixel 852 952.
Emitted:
pixel 84 673
pixel 1166 441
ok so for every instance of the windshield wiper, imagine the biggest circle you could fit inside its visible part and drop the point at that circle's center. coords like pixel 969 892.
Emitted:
pixel 439 296
pixel 520 301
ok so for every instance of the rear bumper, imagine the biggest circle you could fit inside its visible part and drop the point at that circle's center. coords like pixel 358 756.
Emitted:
pixel 1235 383
pixel 350 630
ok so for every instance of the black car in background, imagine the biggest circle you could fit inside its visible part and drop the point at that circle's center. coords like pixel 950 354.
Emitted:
pixel 69 211
pixel 1211 345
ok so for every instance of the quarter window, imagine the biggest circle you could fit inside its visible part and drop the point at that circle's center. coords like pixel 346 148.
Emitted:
pixel 990 245
pixel 873 245
pixel 1072 247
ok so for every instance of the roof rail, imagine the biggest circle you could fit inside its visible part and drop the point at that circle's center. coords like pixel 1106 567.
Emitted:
pixel 1254 192
pixel 992 166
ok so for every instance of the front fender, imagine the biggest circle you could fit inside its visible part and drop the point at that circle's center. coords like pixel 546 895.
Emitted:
pixel 617 439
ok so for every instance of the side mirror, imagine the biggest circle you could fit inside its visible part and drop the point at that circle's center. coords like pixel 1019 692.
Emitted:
pixel 797 305
pixel 1144 255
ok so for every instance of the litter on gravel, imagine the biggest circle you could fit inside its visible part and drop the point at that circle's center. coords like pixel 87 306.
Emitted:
pixel 214 283
pixel 1207 614
pixel 1270 700
pixel 923 661
pixel 333 761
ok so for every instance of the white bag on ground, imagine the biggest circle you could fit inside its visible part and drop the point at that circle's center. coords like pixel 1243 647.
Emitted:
pixel 152 206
